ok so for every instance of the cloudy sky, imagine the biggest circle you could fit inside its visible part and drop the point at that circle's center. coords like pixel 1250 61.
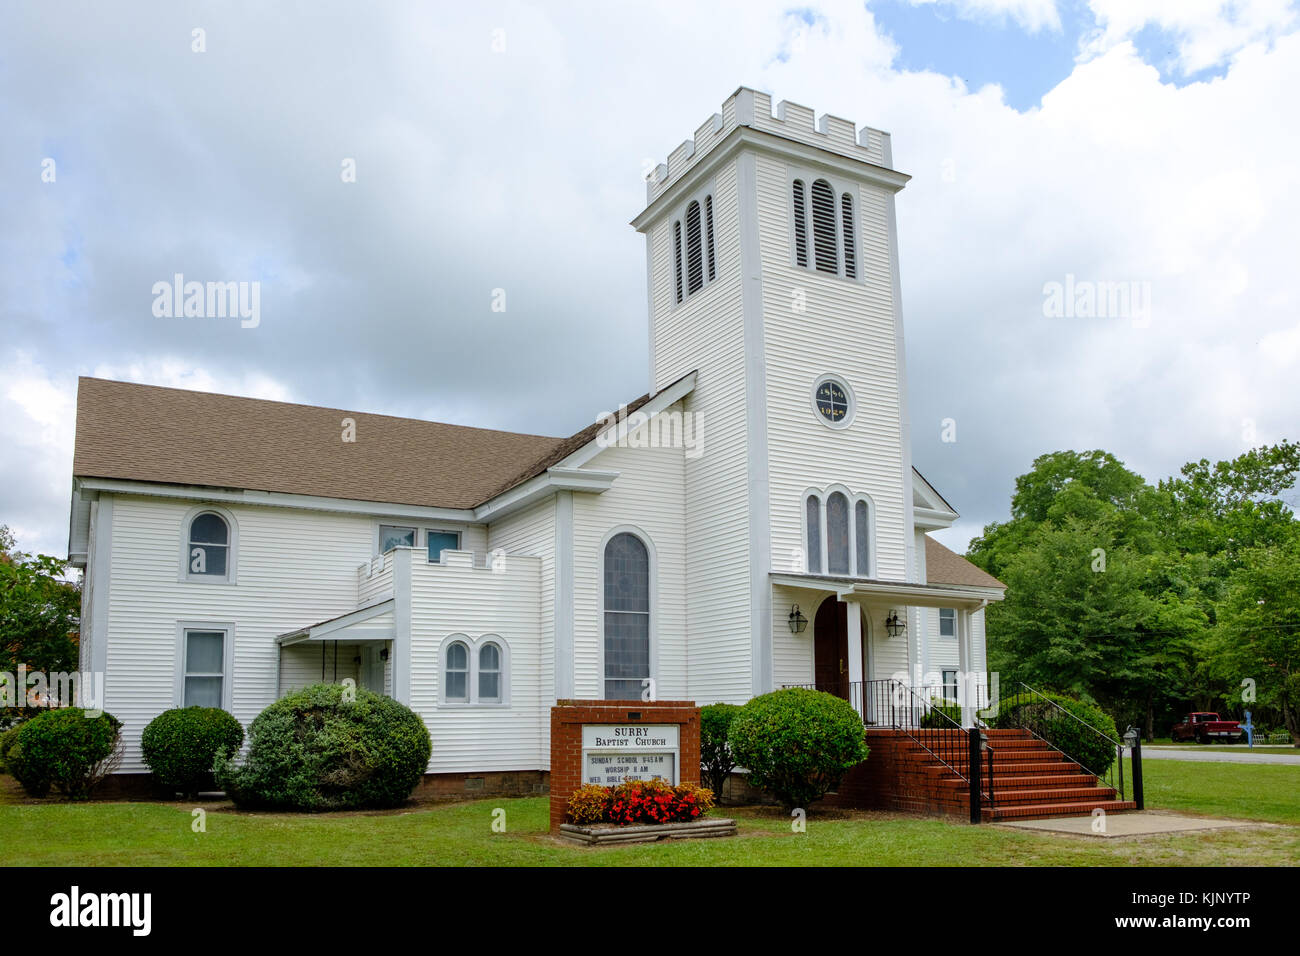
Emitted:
pixel 502 146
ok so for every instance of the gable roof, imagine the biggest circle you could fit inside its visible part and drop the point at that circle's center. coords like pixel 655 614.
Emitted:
pixel 943 566
pixel 150 433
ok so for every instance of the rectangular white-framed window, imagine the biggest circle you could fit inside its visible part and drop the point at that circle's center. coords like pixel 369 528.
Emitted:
pixel 204 658
pixel 947 622
pixel 436 541
pixel 396 536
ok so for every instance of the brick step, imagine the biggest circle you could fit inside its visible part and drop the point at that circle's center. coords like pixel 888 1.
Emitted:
pixel 1043 781
pixel 1054 795
pixel 1040 810
pixel 1040 781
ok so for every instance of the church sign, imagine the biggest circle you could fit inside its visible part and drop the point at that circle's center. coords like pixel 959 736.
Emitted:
pixel 606 741
pixel 611 753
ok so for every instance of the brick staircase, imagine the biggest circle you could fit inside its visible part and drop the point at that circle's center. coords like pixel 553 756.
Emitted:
pixel 1030 778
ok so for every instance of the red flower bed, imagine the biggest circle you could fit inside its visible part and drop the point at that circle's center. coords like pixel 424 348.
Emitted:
pixel 639 802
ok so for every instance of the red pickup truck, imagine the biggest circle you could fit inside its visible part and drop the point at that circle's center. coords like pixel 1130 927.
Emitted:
pixel 1208 728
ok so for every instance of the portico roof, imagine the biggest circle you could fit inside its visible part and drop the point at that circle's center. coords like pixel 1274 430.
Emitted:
pixel 371 623
pixel 872 591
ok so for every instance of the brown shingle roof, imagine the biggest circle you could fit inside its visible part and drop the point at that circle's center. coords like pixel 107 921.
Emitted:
pixel 943 566
pixel 173 436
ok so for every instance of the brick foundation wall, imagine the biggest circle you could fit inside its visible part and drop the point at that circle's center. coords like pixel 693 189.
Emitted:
pixel 568 716
pixel 895 777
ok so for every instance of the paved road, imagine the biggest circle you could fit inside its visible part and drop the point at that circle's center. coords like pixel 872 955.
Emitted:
pixel 1215 756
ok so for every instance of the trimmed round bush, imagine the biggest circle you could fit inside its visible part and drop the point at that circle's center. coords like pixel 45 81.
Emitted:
pixel 328 747
pixel 1066 733
pixel 716 759
pixel 797 744
pixel 180 746
pixel 7 739
pixel 63 750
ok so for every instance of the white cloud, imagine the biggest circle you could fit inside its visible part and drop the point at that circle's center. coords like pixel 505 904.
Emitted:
pixel 1205 33
pixel 1033 15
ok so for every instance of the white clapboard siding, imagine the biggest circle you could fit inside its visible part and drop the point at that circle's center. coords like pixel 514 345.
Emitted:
pixel 706 334
pixel 649 497
pixel 847 330
pixel 294 568
pixel 457 598
pixel 531 531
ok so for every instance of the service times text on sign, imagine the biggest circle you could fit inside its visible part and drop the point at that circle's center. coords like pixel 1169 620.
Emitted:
pixel 611 753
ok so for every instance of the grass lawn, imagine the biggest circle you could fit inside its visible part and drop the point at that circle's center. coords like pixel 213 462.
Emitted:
pixel 145 834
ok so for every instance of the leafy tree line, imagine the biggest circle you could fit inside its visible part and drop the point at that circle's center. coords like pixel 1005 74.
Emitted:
pixel 39 615
pixel 1152 599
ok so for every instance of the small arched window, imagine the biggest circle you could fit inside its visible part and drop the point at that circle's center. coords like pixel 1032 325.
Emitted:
pixel 813 518
pixel 823 209
pixel 627 616
pixel 862 538
pixel 456 673
pixel 837 533
pixel 708 237
pixel 848 235
pixel 677 256
pixel 694 250
pixel 489 673
pixel 209 546
pixel 800 224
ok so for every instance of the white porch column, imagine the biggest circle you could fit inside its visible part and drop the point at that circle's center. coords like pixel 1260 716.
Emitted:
pixel 964 658
pixel 855 655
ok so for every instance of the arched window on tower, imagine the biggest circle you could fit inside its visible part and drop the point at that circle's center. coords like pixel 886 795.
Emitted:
pixel 677 256
pixel 837 533
pixel 849 236
pixel 823 210
pixel 800 224
pixel 813 520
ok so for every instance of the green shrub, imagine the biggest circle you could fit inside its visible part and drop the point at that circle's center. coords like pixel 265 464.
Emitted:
pixel 63 750
pixel 939 710
pixel 1063 732
pixel 7 739
pixel 328 747
pixel 180 746
pixel 797 743
pixel 716 759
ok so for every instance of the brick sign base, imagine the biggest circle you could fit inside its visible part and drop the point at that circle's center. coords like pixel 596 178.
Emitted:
pixel 568 716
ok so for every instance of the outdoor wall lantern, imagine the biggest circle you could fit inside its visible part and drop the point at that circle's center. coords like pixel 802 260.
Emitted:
pixel 383 654
pixel 797 621
pixel 895 625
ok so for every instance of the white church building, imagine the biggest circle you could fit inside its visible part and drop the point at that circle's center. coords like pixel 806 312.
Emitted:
pixel 753 522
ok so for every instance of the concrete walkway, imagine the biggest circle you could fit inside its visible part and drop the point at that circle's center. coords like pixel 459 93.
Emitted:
pixel 1131 823
pixel 1217 756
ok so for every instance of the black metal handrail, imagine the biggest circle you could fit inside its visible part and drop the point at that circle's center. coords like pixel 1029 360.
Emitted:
pixel 889 704
pixel 1030 718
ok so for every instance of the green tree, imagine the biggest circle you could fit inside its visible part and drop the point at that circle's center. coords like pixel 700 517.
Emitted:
pixel 1258 638
pixel 39 613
